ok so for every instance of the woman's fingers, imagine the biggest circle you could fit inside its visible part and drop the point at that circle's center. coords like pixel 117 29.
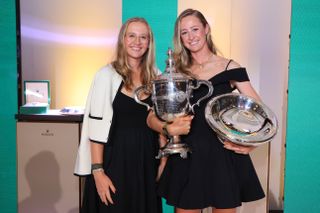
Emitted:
pixel 180 125
pixel 238 148
pixel 104 185
pixel 108 196
pixel 105 196
pixel 187 119
pixel 185 123
pixel 113 189
pixel 105 200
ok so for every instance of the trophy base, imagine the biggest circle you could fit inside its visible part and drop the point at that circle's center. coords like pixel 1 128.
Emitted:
pixel 174 148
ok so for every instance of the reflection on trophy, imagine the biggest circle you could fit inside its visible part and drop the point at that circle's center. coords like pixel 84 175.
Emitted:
pixel 170 93
pixel 241 119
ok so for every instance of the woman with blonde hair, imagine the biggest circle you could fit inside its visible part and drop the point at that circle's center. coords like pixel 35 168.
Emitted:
pixel 117 149
pixel 214 175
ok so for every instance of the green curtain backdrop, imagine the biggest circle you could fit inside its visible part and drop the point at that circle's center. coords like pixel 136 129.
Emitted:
pixel 302 172
pixel 8 107
pixel 161 15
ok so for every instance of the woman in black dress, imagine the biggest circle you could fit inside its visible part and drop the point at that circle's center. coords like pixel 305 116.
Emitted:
pixel 117 149
pixel 215 175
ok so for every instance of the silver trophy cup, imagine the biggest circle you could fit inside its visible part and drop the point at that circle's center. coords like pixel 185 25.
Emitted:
pixel 170 93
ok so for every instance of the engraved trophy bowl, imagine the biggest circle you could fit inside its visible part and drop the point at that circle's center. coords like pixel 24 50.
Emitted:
pixel 170 94
pixel 241 119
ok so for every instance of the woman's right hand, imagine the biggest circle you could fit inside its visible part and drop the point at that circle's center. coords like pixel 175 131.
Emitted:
pixel 180 125
pixel 104 185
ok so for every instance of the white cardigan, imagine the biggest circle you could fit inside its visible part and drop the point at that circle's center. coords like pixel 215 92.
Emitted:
pixel 97 116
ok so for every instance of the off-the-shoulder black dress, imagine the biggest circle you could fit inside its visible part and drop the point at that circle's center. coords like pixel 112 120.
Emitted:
pixel 211 175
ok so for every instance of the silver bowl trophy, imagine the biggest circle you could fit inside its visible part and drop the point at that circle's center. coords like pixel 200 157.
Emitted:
pixel 241 119
pixel 171 93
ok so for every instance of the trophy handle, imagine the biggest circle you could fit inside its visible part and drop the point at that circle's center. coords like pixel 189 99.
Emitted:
pixel 198 84
pixel 136 96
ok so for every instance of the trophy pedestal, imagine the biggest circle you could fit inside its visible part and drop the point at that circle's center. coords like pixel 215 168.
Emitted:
pixel 174 148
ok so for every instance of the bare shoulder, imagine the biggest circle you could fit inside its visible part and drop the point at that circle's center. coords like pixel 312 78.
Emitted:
pixel 231 64
pixel 226 63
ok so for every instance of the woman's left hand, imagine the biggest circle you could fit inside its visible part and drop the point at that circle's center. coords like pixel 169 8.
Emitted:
pixel 163 162
pixel 238 148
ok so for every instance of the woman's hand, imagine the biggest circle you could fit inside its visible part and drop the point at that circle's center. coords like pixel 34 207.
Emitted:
pixel 163 162
pixel 180 125
pixel 103 185
pixel 238 148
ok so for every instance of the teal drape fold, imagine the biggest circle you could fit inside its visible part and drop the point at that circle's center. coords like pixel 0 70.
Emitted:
pixel 302 182
pixel 8 106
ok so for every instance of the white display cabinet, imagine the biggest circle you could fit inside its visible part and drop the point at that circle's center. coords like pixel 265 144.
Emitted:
pixel 46 153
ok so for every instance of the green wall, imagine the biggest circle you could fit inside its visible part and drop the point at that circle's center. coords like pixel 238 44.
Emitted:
pixel 161 15
pixel 302 172
pixel 8 107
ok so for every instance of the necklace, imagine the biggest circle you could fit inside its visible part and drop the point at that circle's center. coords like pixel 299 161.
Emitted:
pixel 201 65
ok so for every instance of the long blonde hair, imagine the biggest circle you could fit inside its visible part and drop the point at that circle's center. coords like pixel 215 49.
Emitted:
pixel 182 55
pixel 147 65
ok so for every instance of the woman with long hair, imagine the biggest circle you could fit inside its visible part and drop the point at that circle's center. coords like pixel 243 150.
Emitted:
pixel 214 175
pixel 117 149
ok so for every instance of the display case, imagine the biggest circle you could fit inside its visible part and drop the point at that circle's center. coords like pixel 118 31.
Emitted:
pixel 36 97
pixel 46 152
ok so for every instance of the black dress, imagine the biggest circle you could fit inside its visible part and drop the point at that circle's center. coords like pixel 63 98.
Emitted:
pixel 211 175
pixel 129 161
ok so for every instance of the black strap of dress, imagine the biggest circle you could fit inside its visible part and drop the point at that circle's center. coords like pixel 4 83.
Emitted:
pixel 235 74
pixel 228 64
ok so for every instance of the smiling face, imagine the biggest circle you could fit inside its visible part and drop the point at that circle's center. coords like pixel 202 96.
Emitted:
pixel 136 40
pixel 193 33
